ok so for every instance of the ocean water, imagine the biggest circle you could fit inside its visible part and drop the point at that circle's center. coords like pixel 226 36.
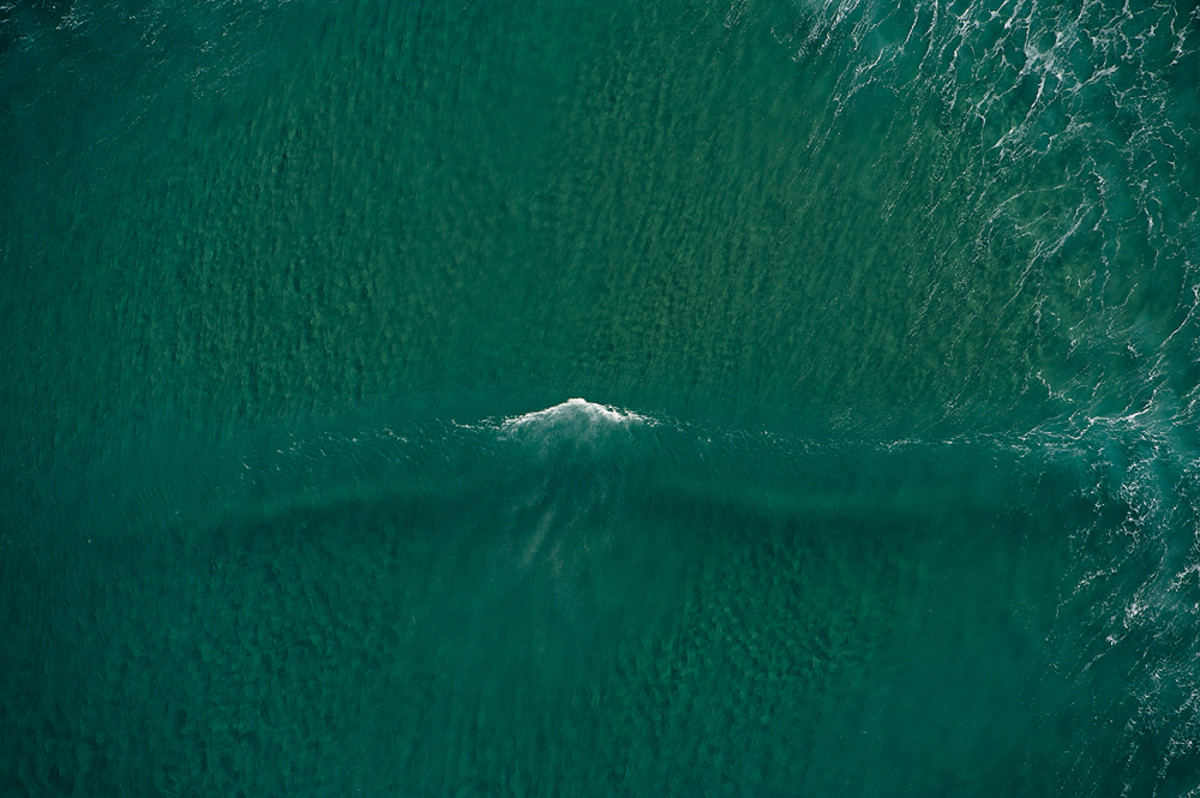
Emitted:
pixel 886 481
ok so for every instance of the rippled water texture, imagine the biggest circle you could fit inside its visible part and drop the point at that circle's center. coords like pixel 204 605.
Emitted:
pixel 889 481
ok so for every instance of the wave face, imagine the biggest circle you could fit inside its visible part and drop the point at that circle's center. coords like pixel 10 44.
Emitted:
pixel 588 596
pixel 888 484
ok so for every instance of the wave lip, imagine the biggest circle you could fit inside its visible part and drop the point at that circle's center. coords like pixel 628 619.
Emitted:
pixel 576 412
pixel 575 432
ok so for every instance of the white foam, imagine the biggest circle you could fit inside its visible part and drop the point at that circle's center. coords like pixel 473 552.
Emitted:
pixel 575 410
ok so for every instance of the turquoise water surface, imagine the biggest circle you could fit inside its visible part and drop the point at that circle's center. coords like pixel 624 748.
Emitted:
pixel 886 481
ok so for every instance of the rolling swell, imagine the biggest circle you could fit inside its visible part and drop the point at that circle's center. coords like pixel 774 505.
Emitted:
pixel 875 598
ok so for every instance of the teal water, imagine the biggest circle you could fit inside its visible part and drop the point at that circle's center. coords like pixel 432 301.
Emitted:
pixel 887 480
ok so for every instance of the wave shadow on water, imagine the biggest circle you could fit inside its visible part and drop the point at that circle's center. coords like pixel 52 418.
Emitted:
pixel 447 604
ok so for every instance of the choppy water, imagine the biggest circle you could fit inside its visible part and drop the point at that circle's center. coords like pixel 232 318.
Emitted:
pixel 890 478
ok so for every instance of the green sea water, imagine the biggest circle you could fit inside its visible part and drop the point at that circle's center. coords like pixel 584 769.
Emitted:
pixel 886 482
